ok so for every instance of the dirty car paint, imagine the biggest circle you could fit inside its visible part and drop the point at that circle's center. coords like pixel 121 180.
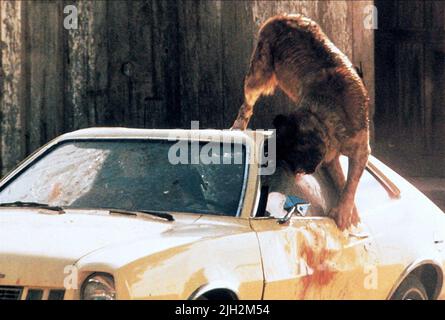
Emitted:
pixel 319 261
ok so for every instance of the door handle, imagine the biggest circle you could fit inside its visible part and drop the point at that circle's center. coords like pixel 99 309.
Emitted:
pixel 439 241
pixel 358 235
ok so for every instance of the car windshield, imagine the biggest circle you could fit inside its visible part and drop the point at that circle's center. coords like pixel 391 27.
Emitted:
pixel 161 175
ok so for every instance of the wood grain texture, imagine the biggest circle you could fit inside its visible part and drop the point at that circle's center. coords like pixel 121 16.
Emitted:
pixel 410 65
pixel 362 56
pixel 86 67
pixel 44 58
pixel 201 63
pixel 237 22
pixel 11 120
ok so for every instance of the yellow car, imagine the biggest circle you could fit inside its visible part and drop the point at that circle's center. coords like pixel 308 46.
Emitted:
pixel 115 213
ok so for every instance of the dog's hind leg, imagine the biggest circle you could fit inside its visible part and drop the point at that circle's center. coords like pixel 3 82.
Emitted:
pixel 260 80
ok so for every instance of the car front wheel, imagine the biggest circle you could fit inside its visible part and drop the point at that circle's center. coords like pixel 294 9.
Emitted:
pixel 410 289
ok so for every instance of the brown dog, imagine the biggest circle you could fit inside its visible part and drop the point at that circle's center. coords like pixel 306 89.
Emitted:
pixel 294 54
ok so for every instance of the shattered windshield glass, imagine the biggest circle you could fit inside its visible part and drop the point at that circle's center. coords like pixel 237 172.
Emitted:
pixel 135 175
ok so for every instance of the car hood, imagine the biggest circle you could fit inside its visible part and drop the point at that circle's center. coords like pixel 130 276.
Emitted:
pixel 41 244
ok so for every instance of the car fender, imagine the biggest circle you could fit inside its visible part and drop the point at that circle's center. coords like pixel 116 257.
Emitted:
pixel 215 285
pixel 413 266
pixel 231 262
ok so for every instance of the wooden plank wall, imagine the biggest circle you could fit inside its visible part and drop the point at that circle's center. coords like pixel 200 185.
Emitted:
pixel 410 103
pixel 12 128
pixel 151 63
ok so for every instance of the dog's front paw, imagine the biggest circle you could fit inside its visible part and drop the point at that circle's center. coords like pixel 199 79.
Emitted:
pixel 355 219
pixel 342 217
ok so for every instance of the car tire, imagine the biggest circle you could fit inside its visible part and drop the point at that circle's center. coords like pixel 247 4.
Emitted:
pixel 410 289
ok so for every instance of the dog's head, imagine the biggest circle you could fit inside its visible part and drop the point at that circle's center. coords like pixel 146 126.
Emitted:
pixel 299 142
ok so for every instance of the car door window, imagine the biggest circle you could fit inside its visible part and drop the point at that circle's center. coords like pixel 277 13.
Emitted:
pixel 317 188
pixel 371 192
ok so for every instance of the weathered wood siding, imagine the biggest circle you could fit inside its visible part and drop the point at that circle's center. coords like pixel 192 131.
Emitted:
pixel 410 86
pixel 151 63
pixel 12 127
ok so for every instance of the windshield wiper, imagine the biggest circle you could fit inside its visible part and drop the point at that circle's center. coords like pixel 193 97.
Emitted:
pixel 20 204
pixel 159 214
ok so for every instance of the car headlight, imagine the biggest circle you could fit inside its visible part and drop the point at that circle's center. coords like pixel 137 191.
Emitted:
pixel 98 286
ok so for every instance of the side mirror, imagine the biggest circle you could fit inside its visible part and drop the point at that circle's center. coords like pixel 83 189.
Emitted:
pixel 294 205
pixel 284 207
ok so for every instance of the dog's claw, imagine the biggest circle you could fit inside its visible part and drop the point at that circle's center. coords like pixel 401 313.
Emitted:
pixel 344 218
pixel 338 218
pixel 355 219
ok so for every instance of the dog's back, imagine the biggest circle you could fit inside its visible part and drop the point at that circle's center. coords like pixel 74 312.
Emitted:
pixel 307 65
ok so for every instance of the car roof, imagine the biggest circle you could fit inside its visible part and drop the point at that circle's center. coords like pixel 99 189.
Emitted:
pixel 131 133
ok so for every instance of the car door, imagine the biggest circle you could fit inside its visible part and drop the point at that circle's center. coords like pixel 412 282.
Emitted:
pixel 310 258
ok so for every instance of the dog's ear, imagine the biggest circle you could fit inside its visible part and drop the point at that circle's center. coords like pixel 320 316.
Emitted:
pixel 280 122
